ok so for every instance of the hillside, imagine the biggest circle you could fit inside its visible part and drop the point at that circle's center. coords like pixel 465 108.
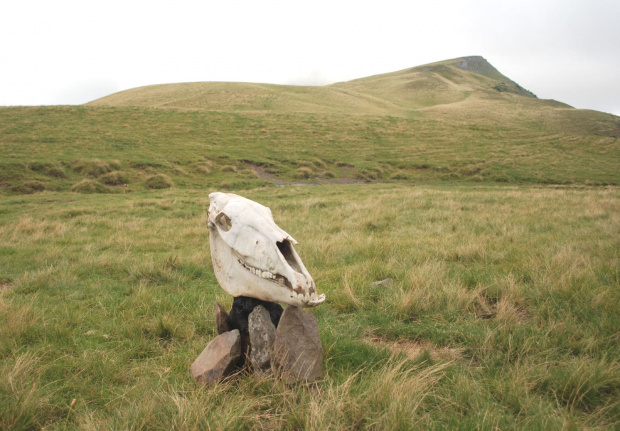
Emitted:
pixel 466 89
pixel 457 120
pixel 399 93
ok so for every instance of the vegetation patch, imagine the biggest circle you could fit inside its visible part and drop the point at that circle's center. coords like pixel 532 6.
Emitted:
pixel 94 168
pixel 114 178
pixel 304 173
pixel 204 169
pixel 399 176
pixel 39 166
pixel 90 186
pixel 28 187
pixel 159 181
pixel 370 174
pixel 56 172
pixel 48 169
pixel 144 164
pixel 229 168
pixel 318 163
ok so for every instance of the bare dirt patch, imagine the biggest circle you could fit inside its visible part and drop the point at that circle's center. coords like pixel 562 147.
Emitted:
pixel 413 349
pixel 4 286
pixel 261 172
pixel 344 181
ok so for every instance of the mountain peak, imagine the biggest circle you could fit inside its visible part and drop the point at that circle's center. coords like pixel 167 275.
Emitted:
pixel 478 64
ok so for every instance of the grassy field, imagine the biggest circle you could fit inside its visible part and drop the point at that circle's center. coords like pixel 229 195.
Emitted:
pixel 503 312
pixel 496 215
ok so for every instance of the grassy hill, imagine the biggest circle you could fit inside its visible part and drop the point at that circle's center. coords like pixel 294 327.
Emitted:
pixel 397 94
pixel 458 120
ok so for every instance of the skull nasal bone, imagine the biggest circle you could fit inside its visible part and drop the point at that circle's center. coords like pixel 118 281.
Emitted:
pixel 286 248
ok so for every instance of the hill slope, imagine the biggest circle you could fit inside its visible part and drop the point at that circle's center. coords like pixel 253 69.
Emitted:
pixel 397 93
pixel 457 120
pixel 466 89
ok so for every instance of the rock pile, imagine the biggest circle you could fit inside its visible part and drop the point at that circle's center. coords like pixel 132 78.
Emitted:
pixel 264 340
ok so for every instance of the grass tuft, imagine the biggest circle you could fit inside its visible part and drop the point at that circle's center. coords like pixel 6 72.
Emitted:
pixel 92 168
pixel 114 178
pixel 28 187
pixel 304 173
pixel 159 181
pixel 90 186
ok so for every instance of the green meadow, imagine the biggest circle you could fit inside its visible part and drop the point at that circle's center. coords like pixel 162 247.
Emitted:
pixel 496 215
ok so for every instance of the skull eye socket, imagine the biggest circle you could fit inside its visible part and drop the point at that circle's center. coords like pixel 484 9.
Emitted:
pixel 223 222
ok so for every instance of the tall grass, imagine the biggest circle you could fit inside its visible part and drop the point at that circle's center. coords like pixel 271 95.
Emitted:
pixel 502 314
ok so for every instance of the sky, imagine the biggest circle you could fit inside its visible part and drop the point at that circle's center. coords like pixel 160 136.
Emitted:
pixel 75 51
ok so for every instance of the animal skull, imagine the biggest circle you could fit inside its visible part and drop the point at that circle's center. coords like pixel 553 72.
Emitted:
pixel 253 257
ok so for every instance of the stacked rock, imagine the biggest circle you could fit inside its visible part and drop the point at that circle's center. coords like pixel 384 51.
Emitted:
pixel 255 261
pixel 258 336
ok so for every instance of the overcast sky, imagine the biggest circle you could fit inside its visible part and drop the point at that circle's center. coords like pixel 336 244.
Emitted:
pixel 74 51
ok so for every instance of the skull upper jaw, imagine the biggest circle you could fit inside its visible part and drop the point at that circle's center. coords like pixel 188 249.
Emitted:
pixel 237 280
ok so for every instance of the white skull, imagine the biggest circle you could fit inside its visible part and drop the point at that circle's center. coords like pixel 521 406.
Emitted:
pixel 253 257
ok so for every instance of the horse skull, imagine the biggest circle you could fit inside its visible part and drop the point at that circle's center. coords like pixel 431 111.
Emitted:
pixel 253 257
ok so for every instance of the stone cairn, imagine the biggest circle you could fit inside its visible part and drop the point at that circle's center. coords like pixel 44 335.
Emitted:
pixel 261 337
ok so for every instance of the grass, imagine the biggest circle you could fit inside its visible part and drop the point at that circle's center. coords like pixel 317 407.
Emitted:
pixel 496 215
pixel 118 149
pixel 502 314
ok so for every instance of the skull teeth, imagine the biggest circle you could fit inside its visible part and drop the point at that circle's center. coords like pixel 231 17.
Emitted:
pixel 309 298
pixel 259 273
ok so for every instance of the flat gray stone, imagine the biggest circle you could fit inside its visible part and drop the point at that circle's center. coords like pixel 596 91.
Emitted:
pixel 218 359
pixel 262 338
pixel 297 351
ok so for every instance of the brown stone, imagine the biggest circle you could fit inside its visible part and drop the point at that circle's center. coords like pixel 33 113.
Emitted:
pixel 262 337
pixel 222 320
pixel 298 353
pixel 218 359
